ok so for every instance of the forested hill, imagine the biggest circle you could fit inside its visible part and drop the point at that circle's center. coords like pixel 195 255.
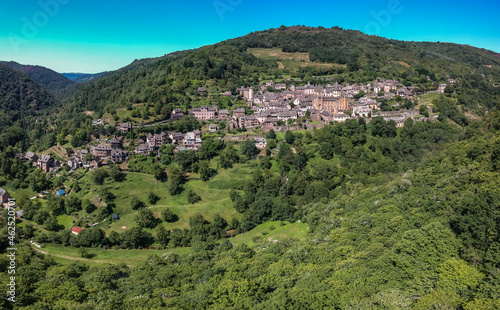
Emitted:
pixel 48 78
pixel 20 96
pixel 337 45
pixel 347 55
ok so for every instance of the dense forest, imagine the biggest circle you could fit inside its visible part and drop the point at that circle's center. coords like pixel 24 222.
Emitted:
pixel 48 78
pixel 21 98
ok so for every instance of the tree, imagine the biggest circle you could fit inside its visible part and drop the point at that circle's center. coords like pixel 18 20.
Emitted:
pixel 162 235
pixel 228 157
pixel 88 157
pixel 29 231
pixel 495 154
pixel 73 204
pixel 91 237
pixel 289 137
pixel 56 205
pixel 152 198
pixel 249 149
pixel 285 153
pixel 146 219
pixel 135 238
pixel 99 175
pixel 265 162
pixel 175 180
pixel 136 204
pixel 300 161
pixel 38 181
pixel 205 171
pixel 424 110
pixel 169 216
pixel 79 138
pixel 218 226
pixel 271 134
pixel 88 206
pixel 326 150
pixel 52 224
pixel 193 197
pixel 210 148
pixel 185 159
pixel 116 173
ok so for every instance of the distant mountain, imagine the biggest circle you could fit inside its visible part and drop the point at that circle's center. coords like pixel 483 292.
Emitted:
pixel 48 78
pixel 83 77
pixel 20 96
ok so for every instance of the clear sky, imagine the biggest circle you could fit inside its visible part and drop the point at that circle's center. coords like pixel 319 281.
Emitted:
pixel 92 36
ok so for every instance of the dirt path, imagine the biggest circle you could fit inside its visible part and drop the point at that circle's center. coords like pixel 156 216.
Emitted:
pixel 59 152
pixel 76 258
pixel 32 224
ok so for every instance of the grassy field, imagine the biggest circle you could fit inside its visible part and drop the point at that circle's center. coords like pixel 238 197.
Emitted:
pixel 427 98
pixel 214 197
pixel 214 200
pixel 264 232
pixel 289 61
pixel 131 257
pixel 113 256
pixel 65 220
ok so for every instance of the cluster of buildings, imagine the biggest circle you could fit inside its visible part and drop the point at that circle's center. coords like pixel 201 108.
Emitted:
pixel 322 103
pixel 283 103
pixel 183 141
pixel 45 162
pixel 95 156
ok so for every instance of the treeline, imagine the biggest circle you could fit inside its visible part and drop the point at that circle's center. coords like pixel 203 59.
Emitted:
pixel 201 234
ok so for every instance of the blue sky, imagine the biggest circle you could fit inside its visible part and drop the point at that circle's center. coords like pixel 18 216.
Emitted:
pixel 92 36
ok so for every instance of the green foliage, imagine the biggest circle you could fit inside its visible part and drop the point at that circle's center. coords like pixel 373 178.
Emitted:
pixel 193 197
pixel 423 110
pixel 136 204
pixel 326 151
pixel 145 164
pixel 146 219
pixel 271 134
pixel 79 138
pixel 228 157
pixel 91 237
pixel 185 159
pixel 152 198
pixel 99 176
pixel 116 174
pixel 168 216
pixel 249 149
pixel 289 137
pixel 49 79
pixel 175 180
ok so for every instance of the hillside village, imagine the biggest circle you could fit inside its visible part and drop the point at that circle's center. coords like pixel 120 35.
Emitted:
pixel 272 106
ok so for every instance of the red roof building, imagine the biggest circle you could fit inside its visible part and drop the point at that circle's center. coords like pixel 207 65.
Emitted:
pixel 76 230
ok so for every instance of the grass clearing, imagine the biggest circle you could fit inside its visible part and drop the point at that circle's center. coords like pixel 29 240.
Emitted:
pixel 289 230
pixel 214 197
pixel 427 98
pixel 289 61
pixel 65 220
pixel 113 256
